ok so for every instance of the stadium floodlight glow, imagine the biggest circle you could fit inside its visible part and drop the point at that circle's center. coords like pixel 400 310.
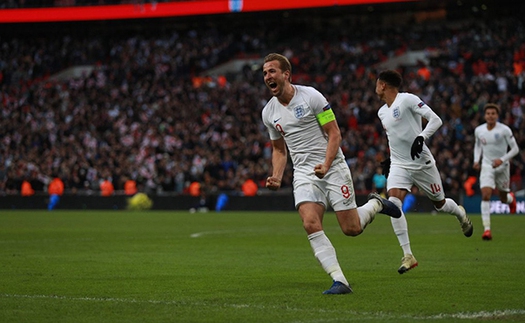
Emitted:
pixel 167 9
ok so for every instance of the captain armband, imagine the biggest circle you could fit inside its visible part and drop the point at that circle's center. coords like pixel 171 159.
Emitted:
pixel 325 117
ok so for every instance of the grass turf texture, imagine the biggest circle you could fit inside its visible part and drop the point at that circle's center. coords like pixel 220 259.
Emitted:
pixel 120 266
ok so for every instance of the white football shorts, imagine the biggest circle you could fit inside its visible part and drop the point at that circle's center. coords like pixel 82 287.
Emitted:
pixel 427 180
pixel 495 177
pixel 336 189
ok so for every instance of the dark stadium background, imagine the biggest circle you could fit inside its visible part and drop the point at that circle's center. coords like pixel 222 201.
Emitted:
pixel 33 53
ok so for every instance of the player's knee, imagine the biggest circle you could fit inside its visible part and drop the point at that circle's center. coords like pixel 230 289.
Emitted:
pixel 311 227
pixel 351 231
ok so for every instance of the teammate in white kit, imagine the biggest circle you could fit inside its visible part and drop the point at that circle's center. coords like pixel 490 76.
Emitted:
pixel 492 142
pixel 300 120
pixel 411 162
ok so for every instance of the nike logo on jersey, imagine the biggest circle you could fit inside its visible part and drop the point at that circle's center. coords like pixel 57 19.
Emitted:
pixel 274 121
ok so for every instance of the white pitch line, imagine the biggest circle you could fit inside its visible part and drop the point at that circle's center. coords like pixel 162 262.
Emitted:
pixel 479 315
pixel 204 233
pixel 498 314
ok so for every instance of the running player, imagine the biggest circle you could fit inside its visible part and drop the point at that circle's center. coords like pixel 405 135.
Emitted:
pixel 300 120
pixel 492 142
pixel 411 162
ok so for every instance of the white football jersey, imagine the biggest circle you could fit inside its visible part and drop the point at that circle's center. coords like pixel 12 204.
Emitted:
pixel 493 144
pixel 402 123
pixel 298 125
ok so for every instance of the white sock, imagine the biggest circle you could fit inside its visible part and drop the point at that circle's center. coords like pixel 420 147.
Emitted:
pixel 368 211
pixel 451 207
pixel 485 214
pixel 325 253
pixel 400 227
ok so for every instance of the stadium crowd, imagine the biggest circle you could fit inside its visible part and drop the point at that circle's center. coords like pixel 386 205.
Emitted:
pixel 143 113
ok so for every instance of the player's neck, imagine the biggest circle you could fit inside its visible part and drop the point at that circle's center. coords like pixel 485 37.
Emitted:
pixel 390 97
pixel 288 94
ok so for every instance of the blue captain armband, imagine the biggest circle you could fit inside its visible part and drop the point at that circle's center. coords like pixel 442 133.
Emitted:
pixel 325 117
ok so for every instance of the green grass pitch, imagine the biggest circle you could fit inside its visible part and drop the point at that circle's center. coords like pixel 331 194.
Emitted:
pixel 161 266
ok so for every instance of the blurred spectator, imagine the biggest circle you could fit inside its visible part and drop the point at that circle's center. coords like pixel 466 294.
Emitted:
pixel 106 188
pixel 249 187
pixel 469 185
pixel 194 189
pixel 55 189
pixel 410 200
pixel 379 181
pixel 130 187
pixel 27 189
pixel 197 190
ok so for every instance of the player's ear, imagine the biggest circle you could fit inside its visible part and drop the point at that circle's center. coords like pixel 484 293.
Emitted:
pixel 288 76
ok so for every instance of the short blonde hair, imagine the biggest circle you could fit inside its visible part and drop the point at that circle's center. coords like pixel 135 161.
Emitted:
pixel 284 63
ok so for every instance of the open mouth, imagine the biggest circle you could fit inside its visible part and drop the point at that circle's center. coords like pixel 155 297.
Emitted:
pixel 272 85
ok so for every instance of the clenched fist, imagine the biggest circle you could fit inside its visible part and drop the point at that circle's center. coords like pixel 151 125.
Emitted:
pixel 273 183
